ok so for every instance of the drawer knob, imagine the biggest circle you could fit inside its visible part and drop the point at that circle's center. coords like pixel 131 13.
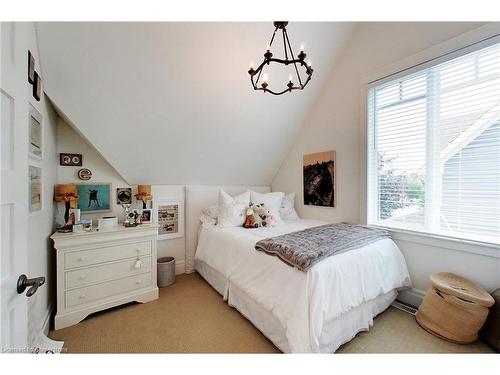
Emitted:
pixel 81 259
pixel 81 277
pixel 138 264
pixel 138 282
pixel 138 249
pixel 82 296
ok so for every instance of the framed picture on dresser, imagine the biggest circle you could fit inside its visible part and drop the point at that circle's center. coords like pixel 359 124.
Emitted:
pixel 169 216
pixel 146 216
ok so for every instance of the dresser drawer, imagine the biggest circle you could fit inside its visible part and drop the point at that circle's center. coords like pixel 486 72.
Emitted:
pixel 106 254
pixel 92 293
pixel 97 274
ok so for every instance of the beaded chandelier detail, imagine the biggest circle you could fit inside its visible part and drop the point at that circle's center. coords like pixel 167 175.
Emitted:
pixel 260 80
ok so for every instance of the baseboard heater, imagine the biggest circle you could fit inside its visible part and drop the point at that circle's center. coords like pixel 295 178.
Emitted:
pixel 404 307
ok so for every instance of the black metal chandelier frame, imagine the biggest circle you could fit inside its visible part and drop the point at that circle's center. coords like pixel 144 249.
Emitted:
pixel 255 74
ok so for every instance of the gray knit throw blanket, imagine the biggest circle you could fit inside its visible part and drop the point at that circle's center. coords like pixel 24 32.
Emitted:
pixel 307 247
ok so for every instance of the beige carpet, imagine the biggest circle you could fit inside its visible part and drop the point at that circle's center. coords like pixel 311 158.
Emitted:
pixel 190 317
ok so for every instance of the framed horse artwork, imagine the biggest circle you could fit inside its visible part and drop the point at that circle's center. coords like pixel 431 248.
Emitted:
pixel 95 197
pixel 319 179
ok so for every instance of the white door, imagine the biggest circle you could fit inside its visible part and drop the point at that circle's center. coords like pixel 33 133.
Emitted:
pixel 14 88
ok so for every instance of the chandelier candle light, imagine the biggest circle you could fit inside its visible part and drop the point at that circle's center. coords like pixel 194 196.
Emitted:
pixel 255 74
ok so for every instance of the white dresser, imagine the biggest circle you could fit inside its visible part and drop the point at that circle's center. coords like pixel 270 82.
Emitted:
pixel 102 269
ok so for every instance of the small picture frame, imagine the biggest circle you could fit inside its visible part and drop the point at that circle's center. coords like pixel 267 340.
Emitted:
pixel 76 212
pixel 70 160
pixel 37 87
pixel 123 196
pixel 35 188
pixel 35 134
pixel 31 67
pixel 87 224
pixel 77 228
pixel 147 216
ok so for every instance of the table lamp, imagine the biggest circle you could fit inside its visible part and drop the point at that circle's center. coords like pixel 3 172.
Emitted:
pixel 144 194
pixel 66 193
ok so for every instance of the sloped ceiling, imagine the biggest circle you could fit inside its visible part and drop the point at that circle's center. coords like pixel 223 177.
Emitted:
pixel 171 103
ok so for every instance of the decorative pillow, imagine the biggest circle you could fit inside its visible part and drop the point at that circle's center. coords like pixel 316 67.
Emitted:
pixel 212 211
pixel 232 210
pixel 287 210
pixel 272 201
pixel 207 221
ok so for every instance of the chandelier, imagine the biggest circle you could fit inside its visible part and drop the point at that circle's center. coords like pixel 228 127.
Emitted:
pixel 260 80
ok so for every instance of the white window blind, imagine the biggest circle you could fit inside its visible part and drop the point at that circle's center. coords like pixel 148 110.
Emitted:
pixel 434 149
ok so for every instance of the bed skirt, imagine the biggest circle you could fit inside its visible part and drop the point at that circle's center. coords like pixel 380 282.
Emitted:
pixel 334 333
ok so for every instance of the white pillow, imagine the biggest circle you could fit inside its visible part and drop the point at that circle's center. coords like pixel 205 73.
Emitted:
pixel 207 221
pixel 271 200
pixel 212 211
pixel 232 211
pixel 287 210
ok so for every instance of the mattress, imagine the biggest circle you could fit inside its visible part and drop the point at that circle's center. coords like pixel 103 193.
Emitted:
pixel 304 303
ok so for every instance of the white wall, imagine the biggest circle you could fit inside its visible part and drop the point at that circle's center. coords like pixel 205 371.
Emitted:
pixel 335 123
pixel 424 259
pixel 40 224
pixel 142 84
pixel 175 247
pixel 68 140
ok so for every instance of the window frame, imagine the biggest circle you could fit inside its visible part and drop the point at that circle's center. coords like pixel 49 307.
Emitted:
pixel 464 44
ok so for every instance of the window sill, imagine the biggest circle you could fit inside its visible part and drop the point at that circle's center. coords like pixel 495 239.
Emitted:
pixel 456 244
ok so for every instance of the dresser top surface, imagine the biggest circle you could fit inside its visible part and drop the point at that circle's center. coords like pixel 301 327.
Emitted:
pixel 111 230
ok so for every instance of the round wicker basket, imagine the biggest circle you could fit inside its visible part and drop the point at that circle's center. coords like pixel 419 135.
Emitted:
pixel 454 308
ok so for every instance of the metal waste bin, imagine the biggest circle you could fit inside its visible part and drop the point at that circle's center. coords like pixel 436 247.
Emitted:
pixel 166 271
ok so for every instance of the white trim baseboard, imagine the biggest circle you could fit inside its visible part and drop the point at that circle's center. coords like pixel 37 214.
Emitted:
pixel 412 297
pixel 180 267
pixel 41 343
pixel 46 322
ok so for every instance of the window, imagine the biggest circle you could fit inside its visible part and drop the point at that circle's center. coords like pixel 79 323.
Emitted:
pixel 434 149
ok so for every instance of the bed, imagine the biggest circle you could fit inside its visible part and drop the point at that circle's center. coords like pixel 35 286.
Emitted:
pixel 301 312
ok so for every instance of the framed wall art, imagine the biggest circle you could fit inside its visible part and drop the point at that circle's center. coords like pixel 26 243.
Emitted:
pixel 84 174
pixel 35 133
pixel 94 197
pixel 70 160
pixel 319 179
pixel 169 216
pixel 35 188
pixel 31 67
pixel 37 87
pixel 123 196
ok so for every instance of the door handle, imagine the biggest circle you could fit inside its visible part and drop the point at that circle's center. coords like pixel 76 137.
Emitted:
pixel 23 282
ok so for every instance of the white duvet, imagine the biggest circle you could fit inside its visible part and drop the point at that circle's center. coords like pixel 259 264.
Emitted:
pixel 302 302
